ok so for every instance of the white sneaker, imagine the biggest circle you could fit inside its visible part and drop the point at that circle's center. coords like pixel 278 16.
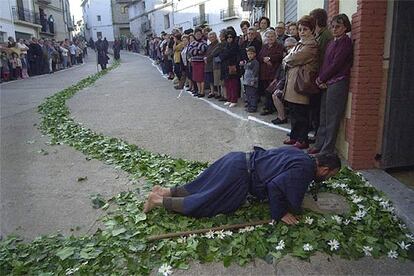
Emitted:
pixel 227 103
pixel 232 105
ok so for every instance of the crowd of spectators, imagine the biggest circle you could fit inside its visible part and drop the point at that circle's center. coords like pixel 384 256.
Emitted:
pixel 297 70
pixel 27 58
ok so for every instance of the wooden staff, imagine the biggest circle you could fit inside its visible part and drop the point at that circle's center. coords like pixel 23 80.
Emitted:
pixel 205 230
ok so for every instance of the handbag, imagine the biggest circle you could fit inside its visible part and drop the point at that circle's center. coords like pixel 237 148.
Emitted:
pixel 232 70
pixel 306 82
pixel 272 86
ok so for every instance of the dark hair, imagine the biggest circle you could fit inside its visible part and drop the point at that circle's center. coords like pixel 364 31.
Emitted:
pixel 230 32
pixel 292 24
pixel 188 31
pixel 231 28
pixel 178 36
pixel 198 30
pixel 330 160
pixel 243 23
pixel 267 20
pixel 342 19
pixel 307 21
pixel 320 16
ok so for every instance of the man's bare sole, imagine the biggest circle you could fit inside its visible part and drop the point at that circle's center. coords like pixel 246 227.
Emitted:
pixel 153 200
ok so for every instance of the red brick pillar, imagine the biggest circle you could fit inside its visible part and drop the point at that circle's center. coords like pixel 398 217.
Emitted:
pixel 368 28
pixel 333 8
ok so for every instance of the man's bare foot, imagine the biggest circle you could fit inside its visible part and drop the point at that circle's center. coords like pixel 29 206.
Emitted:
pixel 164 192
pixel 153 201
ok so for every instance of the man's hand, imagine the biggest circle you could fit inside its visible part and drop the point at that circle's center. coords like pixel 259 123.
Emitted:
pixel 290 219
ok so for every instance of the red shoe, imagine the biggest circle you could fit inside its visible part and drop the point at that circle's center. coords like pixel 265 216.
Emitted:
pixel 302 145
pixel 313 151
pixel 289 141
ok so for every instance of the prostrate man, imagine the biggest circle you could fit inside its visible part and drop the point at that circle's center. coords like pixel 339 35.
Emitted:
pixel 281 176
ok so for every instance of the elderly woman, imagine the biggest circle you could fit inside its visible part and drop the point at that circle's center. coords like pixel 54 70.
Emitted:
pixel 218 79
pixel 270 58
pixel 230 68
pixel 208 59
pixel 303 56
pixel 334 77
pixel 197 50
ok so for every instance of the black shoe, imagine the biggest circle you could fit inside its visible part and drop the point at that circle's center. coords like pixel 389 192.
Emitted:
pixel 222 99
pixel 195 94
pixel 278 121
pixel 210 96
pixel 217 97
pixel 266 112
pixel 200 95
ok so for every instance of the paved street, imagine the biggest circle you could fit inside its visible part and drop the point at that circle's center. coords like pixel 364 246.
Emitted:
pixel 40 191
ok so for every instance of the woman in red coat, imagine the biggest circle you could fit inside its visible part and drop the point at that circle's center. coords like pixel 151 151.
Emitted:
pixel 270 58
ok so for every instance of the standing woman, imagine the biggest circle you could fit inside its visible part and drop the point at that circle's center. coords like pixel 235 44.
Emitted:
pixel 303 55
pixel 197 51
pixel 217 74
pixel 208 59
pixel 264 25
pixel 334 77
pixel 177 48
pixel 230 65
pixel 270 58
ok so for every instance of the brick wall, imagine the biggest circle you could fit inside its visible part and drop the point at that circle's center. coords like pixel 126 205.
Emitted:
pixel 333 8
pixel 368 28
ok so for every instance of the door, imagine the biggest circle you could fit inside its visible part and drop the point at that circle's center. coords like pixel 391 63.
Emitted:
pixel 398 143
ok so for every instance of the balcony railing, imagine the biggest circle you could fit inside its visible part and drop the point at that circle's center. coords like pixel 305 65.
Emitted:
pixel 229 13
pixel 25 15
pixel 46 2
pixel 248 5
pixel 146 26
pixel 200 20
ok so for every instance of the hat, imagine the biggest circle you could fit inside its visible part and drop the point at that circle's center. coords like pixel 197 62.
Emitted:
pixel 280 25
pixel 251 49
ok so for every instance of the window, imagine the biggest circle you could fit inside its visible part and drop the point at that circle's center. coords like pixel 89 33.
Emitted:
pixel 98 17
pixel 98 34
pixel 124 9
pixel 166 21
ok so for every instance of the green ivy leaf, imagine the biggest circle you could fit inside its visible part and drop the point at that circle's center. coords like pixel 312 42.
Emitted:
pixel 65 253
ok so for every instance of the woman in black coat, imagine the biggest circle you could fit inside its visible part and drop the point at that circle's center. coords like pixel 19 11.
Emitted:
pixel 230 68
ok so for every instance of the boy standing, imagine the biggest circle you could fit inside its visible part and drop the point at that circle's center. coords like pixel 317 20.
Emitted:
pixel 251 79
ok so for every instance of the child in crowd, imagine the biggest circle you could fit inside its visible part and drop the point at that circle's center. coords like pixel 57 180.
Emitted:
pixel 251 79
pixel 16 66
pixel 5 70
pixel 23 59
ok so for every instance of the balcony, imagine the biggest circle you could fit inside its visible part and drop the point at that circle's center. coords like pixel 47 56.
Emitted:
pixel 200 20
pixel 229 14
pixel 25 15
pixel 146 27
pixel 248 5
pixel 44 2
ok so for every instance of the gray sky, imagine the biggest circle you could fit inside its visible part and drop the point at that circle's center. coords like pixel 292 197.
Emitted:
pixel 75 9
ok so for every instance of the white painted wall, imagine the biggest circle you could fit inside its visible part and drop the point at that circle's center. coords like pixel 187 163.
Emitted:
pixel 181 15
pixel 91 10
pixel 348 7
pixel 306 6
pixel 6 20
